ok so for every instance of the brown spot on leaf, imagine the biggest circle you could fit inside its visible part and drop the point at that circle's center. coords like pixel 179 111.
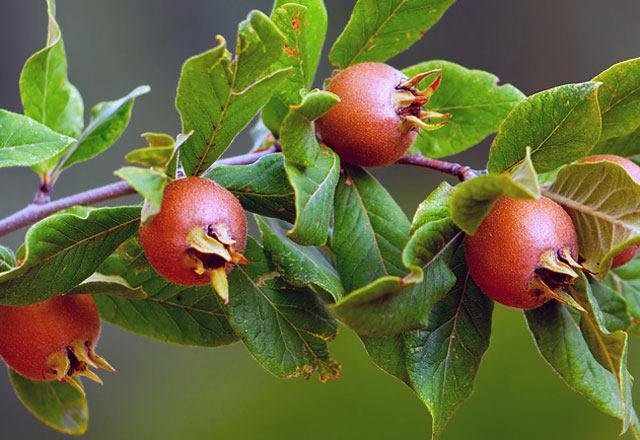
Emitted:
pixel 291 52
pixel 295 23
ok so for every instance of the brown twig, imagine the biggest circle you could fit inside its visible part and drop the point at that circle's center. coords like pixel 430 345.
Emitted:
pixel 462 172
pixel 42 207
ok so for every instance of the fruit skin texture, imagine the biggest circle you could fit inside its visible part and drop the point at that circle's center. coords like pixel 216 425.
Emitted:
pixel 188 203
pixel 627 254
pixel 29 335
pixel 364 128
pixel 505 251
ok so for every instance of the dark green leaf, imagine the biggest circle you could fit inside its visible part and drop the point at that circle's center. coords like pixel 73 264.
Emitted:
pixel 262 187
pixel 25 142
pixel 443 359
pixel 65 249
pixel 431 231
pixel 304 25
pixel 604 204
pixel 380 29
pixel 386 306
pixel 370 230
pixel 390 305
pixel 47 95
pixel 219 94
pixel 472 200
pixel 314 189
pixel 476 100
pixel 614 309
pixel 298 137
pixel 560 125
pixel 108 122
pixel 285 328
pixel 168 312
pixel 609 348
pixel 301 266
pixel 557 332
pixel 625 282
pixel 388 353
pixel 56 404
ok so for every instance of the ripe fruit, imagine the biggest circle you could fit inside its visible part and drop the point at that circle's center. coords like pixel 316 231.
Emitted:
pixel 197 236
pixel 379 113
pixel 522 255
pixel 627 254
pixel 53 339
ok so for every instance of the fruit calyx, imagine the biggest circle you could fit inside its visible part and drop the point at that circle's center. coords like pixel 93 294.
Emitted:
pixel 212 252
pixel 554 274
pixel 76 360
pixel 410 102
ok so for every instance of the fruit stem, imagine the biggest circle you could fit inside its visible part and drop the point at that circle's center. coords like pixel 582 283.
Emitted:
pixel 35 212
pixel 462 172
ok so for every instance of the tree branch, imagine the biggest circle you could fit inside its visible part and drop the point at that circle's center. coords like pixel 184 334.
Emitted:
pixel 462 172
pixel 40 209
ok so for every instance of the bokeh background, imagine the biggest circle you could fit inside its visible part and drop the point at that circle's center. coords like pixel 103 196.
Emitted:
pixel 170 392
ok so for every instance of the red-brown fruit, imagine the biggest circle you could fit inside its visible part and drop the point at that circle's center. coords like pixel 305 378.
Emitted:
pixel 627 254
pixel 369 126
pixel 188 205
pixel 53 339
pixel 504 255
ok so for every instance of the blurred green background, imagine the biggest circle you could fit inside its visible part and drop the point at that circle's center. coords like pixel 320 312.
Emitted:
pixel 171 392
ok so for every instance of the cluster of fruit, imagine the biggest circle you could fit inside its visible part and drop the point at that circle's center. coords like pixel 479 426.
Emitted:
pixel 524 253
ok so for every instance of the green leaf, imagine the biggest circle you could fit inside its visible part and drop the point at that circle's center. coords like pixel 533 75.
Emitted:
pixel 304 25
pixel 387 306
pixel 619 98
pixel 370 230
pixel 108 121
pixel 298 137
pixel 625 282
pixel 380 29
pixel 47 95
pixel 157 155
pixel 609 348
pixel 431 231
pixel 625 146
pixel 557 333
pixel 476 100
pixel 59 405
pixel 7 259
pixel 65 249
pixel 388 353
pixel 560 125
pixel 149 183
pixel 604 204
pixel 312 171
pixel 25 142
pixel 218 95
pixel 314 189
pixel 262 187
pixel 472 200
pixel 285 328
pixel 443 359
pixel 440 362
pixel 168 312
pixel 299 265
pixel 614 309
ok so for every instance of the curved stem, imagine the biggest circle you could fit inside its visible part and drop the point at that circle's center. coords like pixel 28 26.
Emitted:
pixel 35 212
pixel 462 172
pixel 41 208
